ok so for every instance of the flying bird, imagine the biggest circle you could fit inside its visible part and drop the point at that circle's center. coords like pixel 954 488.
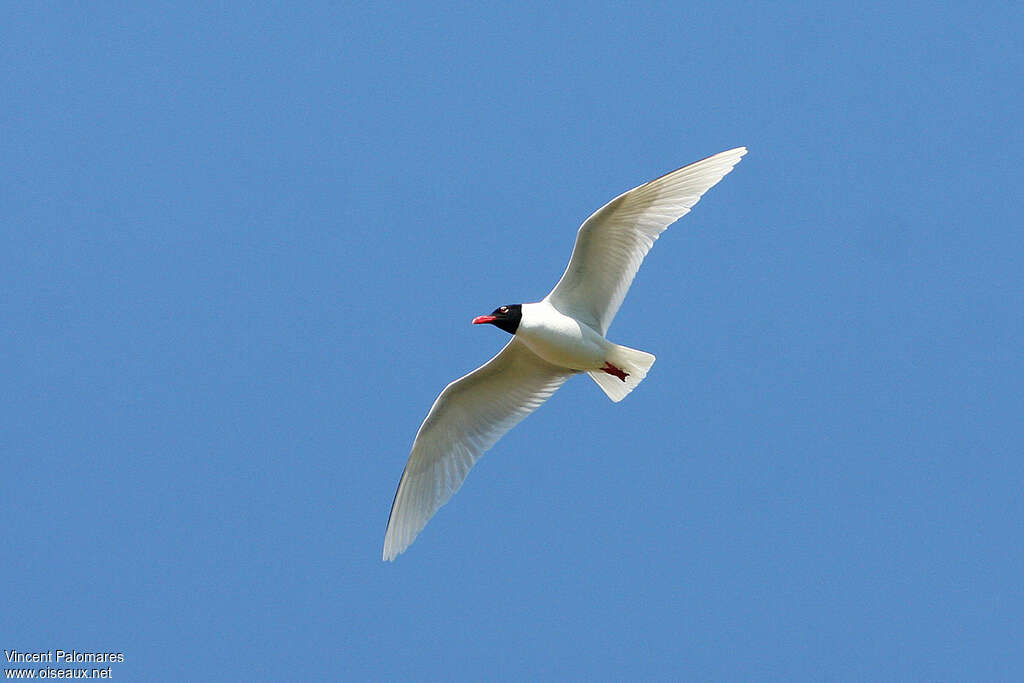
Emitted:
pixel 553 339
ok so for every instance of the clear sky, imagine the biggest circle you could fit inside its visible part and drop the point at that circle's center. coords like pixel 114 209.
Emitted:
pixel 240 248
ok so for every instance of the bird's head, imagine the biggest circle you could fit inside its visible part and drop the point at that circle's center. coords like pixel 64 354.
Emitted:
pixel 505 317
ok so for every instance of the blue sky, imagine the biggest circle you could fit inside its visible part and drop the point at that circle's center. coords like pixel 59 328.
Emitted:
pixel 240 247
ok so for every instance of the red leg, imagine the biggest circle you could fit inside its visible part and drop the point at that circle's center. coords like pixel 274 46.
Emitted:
pixel 612 370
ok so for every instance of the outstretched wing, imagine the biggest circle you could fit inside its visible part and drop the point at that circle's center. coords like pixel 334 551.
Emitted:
pixel 469 417
pixel 613 242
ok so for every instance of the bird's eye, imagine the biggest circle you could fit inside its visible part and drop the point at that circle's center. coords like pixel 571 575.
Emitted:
pixel 503 309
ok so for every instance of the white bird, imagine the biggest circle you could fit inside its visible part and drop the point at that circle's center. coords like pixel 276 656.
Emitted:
pixel 552 340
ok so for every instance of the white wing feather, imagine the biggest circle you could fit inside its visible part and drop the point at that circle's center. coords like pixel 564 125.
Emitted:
pixel 469 417
pixel 613 242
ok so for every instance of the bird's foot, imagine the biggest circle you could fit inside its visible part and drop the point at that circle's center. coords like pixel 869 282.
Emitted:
pixel 612 370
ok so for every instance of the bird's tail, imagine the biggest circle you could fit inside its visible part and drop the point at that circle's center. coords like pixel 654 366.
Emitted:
pixel 633 363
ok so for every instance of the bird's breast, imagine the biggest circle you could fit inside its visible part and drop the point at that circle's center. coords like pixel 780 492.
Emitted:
pixel 560 339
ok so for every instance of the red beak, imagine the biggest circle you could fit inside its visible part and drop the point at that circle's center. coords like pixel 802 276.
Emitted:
pixel 481 319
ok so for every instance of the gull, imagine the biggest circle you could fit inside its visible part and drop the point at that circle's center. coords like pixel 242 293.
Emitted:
pixel 553 339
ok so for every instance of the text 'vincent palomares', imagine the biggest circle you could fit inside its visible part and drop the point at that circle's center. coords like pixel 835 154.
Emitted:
pixel 51 656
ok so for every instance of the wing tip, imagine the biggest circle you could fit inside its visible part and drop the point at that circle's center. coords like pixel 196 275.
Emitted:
pixel 397 539
pixel 729 156
pixel 736 153
pixel 391 549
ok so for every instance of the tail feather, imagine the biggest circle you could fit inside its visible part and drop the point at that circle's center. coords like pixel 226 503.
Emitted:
pixel 635 363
